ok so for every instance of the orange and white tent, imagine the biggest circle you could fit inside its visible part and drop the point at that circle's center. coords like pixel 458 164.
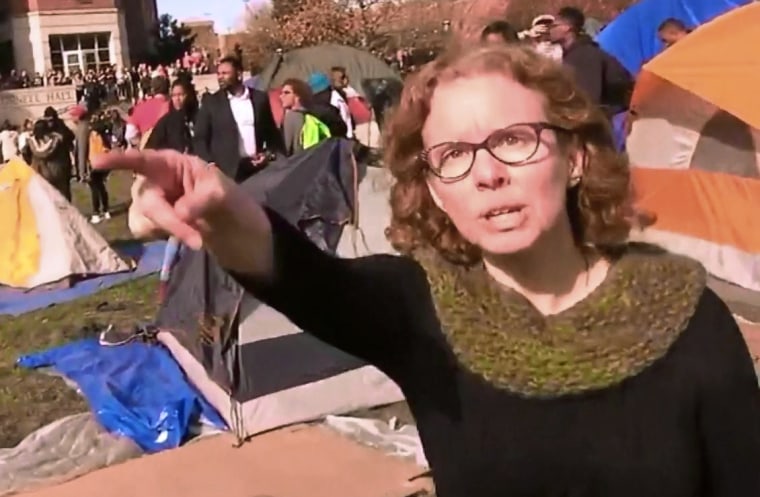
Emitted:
pixel 45 239
pixel 695 146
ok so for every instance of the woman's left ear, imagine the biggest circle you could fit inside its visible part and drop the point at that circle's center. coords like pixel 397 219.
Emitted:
pixel 577 161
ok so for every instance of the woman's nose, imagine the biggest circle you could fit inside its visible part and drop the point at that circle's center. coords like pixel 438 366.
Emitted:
pixel 487 172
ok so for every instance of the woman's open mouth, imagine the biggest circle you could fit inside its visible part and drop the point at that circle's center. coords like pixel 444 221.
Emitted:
pixel 506 218
pixel 501 211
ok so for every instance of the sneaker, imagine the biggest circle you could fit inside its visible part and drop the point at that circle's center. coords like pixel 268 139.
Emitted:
pixel 95 219
pixel 106 216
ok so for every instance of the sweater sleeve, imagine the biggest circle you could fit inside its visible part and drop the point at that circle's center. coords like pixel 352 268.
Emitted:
pixel 363 306
pixel 729 407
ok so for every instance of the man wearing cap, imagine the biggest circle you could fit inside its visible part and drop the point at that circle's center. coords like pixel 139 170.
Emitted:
pixel 147 113
pixel 539 35
pixel 235 128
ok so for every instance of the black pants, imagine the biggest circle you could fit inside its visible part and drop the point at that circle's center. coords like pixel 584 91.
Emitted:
pixel 99 192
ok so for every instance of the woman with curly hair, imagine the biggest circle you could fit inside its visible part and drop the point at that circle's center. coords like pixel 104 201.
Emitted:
pixel 540 353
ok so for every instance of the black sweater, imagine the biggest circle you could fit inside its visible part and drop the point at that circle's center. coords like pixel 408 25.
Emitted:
pixel 685 424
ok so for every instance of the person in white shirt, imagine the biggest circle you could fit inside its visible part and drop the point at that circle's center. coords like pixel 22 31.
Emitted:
pixel 23 137
pixel 341 90
pixel 8 141
pixel 235 127
pixel 337 100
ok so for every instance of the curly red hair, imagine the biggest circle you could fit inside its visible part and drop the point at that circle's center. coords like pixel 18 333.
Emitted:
pixel 600 207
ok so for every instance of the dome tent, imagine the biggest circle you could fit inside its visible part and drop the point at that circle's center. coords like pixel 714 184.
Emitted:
pixel 257 368
pixel 632 36
pixel 47 242
pixel 695 147
pixel 373 80
pixel 365 71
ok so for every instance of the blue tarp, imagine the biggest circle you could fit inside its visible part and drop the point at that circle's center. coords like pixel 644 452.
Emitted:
pixel 135 390
pixel 15 302
pixel 632 36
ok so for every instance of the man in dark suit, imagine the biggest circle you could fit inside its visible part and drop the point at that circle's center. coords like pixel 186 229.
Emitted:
pixel 235 128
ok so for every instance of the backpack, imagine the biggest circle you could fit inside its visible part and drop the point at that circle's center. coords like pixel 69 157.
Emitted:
pixel 330 116
pixel 314 131
pixel 97 145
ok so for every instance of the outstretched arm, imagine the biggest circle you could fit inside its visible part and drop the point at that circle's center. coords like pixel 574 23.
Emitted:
pixel 368 307
pixel 365 306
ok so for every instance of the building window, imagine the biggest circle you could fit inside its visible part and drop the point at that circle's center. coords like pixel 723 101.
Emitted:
pixel 80 52
pixel 7 62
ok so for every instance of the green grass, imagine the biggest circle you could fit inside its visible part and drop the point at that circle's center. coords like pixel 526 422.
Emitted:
pixel 29 400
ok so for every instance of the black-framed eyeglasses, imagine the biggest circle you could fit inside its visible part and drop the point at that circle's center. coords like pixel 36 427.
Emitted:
pixel 512 146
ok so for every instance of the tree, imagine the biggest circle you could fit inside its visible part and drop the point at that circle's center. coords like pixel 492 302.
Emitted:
pixel 290 24
pixel 281 9
pixel 171 40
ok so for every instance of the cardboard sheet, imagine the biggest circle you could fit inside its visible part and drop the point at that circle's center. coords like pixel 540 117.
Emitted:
pixel 301 461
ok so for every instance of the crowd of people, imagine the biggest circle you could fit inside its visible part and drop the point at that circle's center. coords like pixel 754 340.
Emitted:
pixel 314 109
pixel 61 155
pixel 111 83
pixel 167 112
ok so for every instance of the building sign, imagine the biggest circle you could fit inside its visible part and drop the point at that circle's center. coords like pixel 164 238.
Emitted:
pixel 30 103
pixel 54 96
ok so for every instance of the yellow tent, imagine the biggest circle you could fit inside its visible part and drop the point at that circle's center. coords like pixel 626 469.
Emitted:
pixel 45 239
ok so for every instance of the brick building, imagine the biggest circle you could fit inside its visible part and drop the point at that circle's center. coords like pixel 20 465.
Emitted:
pixel 203 30
pixel 38 35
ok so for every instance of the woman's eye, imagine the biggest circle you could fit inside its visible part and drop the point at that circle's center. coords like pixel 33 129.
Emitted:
pixel 452 154
pixel 508 139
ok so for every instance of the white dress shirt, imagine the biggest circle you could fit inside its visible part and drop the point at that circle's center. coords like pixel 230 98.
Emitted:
pixel 242 111
pixel 337 101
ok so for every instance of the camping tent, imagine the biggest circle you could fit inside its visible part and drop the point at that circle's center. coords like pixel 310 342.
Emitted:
pixel 372 78
pixel 253 365
pixel 696 146
pixel 632 36
pixel 364 69
pixel 45 239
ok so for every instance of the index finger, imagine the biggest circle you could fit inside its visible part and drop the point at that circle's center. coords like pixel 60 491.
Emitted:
pixel 131 160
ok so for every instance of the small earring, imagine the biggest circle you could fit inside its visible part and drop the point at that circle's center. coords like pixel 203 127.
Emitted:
pixel 574 181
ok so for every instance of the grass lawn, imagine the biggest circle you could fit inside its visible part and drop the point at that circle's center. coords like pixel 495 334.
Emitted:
pixel 29 400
